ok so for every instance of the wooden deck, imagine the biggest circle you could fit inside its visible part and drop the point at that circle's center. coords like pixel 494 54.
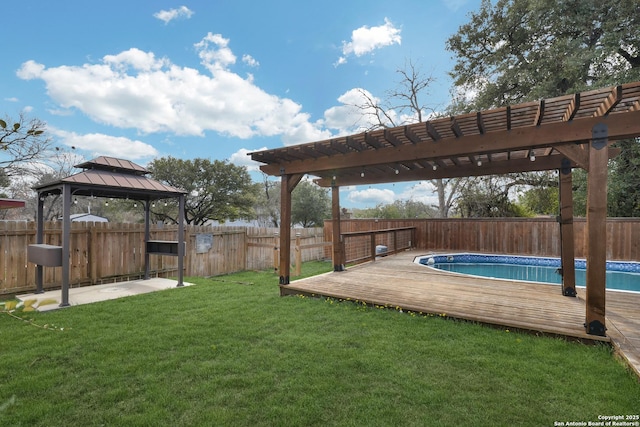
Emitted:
pixel 397 281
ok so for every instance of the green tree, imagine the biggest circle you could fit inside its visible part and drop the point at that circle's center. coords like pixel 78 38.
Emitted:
pixel 513 51
pixel 400 209
pixel 624 179
pixel 216 190
pixel 541 200
pixel 487 197
pixel 310 205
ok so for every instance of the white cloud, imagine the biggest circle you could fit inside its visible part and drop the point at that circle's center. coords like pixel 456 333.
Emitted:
pixel 250 61
pixel 135 89
pixel 353 115
pixel 106 145
pixel 372 196
pixel 12 99
pixel 422 191
pixel 169 15
pixel 454 5
pixel 303 131
pixel 215 53
pixel 30 70
pixel 367 39
pixel 241 158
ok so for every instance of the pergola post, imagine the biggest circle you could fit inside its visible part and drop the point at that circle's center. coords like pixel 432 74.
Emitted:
pixel 287 184
pixel 66 233
pixel 567 243
pixel 597 230
pixel 338 247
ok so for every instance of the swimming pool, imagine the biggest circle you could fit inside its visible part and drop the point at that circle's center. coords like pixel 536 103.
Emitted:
pixel 620 275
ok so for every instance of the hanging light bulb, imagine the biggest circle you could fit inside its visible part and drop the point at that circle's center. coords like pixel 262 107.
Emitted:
pixel 435 167
pixel 532 156
pixel 362 174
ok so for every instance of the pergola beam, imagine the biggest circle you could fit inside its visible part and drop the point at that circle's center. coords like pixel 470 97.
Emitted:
pixel 550 135
pixel 428 173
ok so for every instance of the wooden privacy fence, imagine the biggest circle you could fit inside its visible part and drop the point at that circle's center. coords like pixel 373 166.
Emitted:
pixel 526 236
pixel 109 252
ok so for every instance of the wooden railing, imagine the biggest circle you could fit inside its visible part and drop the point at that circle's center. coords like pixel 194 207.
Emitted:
pixel 361 246
pixel 517 236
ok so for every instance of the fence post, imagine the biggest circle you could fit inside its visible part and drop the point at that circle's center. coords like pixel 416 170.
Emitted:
pixel 395 241
pixel 298 270
pixel 373 246
pixel 276 255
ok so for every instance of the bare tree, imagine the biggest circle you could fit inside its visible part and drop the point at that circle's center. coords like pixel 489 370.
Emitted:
pixel 22 141
pixel 404 105
pixel 268 202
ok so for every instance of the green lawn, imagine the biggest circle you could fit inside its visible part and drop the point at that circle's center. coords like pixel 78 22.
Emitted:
pixel 231 351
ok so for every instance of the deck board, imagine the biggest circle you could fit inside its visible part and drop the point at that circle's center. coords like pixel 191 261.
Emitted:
pixel 396 281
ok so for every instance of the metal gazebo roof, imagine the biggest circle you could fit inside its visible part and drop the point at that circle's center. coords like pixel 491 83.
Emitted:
pixel 111 177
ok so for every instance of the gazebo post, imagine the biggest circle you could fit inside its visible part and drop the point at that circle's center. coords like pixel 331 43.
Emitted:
pixel 181 242
pixel 66 233
pixel 338 248
pixel 567 244
pixel 40 240
pixel 147 235
pixel 597 230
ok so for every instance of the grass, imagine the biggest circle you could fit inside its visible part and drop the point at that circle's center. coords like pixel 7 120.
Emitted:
pixel 230 351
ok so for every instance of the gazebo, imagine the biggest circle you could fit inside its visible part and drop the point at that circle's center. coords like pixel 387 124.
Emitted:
pixel 563 133
pixel 104 177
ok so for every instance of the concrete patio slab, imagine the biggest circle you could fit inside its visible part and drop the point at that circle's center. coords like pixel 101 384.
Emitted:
pixel 96 293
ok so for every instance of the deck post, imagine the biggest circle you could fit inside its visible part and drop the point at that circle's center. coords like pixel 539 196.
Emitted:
pixel 597 230
pixel 567 244
pixel 338 247
pixel 287 184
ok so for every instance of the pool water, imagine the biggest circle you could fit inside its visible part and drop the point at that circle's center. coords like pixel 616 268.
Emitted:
pixel 620 275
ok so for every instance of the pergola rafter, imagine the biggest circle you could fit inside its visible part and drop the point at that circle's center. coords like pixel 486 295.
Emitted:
pixel 571 131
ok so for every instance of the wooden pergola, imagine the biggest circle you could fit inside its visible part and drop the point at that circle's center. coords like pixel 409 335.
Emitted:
pixel 104 177
pixel 571 131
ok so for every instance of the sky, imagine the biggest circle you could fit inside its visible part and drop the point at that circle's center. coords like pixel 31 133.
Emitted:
pixel 218 79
